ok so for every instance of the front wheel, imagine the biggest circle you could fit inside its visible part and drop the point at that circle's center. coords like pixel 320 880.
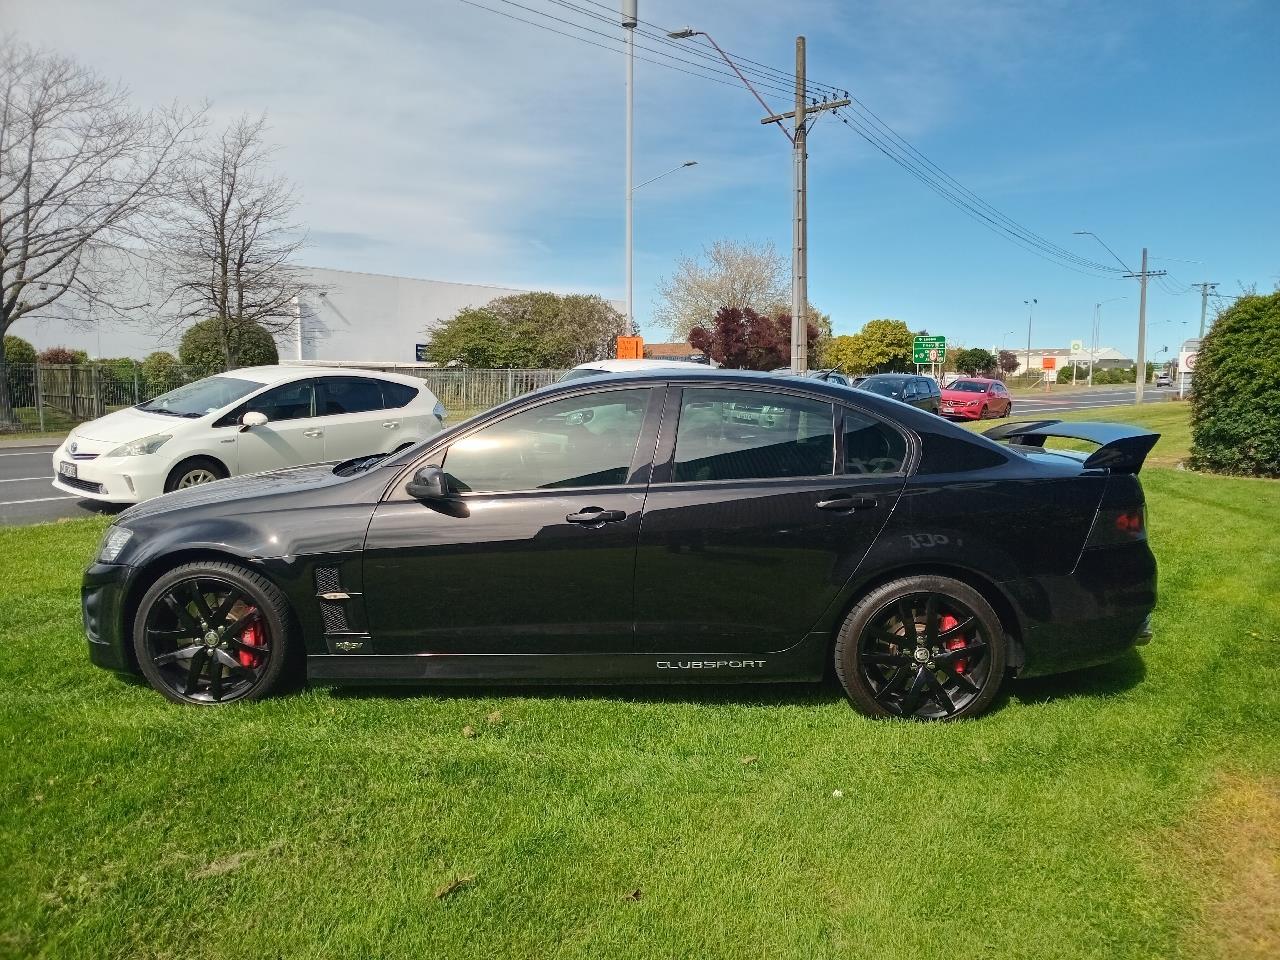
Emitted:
pixel 923 647
pixel 193 473
pixel 212 633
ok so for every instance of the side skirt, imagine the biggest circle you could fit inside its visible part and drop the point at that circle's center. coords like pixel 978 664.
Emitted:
pixel 805 662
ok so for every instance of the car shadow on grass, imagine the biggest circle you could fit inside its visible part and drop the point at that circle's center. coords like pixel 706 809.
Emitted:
pixel 1097 683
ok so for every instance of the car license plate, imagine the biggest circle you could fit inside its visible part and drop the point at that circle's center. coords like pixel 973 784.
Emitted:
pixel 67 470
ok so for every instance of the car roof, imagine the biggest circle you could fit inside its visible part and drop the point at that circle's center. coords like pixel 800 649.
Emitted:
pixel 627 366
pixel 890 376
pixel 974 380
pixel 280 373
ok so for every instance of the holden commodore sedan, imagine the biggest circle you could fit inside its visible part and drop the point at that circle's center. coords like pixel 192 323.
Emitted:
pixel 245 421
pixel 635 528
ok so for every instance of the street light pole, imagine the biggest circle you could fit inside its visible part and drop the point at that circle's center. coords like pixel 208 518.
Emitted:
pixel 629 20
pixel 1031 309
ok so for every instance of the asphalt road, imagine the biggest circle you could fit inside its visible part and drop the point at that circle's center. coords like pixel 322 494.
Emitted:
pixel 26 491
pixel 26 494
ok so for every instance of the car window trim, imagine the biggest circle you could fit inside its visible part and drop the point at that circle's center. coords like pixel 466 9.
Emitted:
pixel 912 439
pixel 665 456
pixel 637 469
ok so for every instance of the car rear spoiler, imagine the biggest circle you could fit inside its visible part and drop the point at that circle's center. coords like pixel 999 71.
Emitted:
pixel 1121 448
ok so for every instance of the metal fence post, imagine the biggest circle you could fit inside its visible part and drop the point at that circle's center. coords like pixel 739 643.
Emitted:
pixel 39 398
pixel 137 397
pixel 466 400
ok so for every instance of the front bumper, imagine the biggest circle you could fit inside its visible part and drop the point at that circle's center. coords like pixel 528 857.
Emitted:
pixel 102 595
pixel 1091 616
pixel 962 413
pixel 109 480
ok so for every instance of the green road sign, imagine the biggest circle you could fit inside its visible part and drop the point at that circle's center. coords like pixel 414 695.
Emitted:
pixel 929 349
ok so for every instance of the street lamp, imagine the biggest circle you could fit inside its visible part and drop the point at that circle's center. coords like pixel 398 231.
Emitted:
pixel 1003 337
pixel 1031 309
pixel 687 163
pixel 688 33
pixel 1096 332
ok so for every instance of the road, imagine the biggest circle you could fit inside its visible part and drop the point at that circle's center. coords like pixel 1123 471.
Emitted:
pixel 26 495
pixel 26 491
pixel 1027 405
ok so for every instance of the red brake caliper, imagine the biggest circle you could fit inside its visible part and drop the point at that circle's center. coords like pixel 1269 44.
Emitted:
pixel 955 643
pixel 251 637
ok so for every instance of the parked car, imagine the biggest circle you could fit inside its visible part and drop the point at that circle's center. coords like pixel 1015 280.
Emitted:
pixel 1164 380
pixel 597 368
pixel 245 421
pixel 623 529
pixel 976 398
pixel 922 392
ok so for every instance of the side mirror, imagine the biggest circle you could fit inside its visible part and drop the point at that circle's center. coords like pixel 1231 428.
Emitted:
pixel 252 419
pixel 428 483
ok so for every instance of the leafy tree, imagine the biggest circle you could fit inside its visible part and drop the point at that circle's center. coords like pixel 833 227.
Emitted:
pixel 19 387
pixel 63 355
pixel 1235 391
pixel 529 330
pixel 726 274
pixel 975 361
pixel 17 350
pixel 161 373
pixel 880 346
pixel 1007 361
pixel 742 339
pixel 205 346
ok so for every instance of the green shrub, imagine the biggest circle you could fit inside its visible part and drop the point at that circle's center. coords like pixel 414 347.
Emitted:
pixel 17 350
pixel 204 351
pixel 20 379
pixel 1235 391
pixel 161 373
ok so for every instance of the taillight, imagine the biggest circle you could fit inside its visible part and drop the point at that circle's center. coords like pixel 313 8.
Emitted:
pixel 1118 525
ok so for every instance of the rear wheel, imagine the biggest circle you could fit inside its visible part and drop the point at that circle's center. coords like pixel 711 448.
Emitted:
pixel 923 647
pixel 193 473
pixel 212 633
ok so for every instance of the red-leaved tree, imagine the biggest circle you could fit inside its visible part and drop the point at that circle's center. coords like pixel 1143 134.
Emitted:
pixel 741 339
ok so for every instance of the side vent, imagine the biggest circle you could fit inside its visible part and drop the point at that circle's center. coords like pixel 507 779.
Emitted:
pixel 331 595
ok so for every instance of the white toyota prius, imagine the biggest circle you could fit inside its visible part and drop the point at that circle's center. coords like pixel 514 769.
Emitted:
pixel 256 418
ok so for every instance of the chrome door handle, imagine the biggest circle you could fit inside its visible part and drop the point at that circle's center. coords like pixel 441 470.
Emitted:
pixel 391 424
pixel 846 501
pixel 313 433
pixel 595 515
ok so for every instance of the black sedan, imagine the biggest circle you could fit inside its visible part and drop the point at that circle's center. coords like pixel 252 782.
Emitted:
pixel 680 525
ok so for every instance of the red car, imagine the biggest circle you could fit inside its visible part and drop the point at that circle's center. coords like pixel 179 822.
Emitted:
pixel 975 398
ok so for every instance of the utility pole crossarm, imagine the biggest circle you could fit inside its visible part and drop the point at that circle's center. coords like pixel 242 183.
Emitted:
pixel 816 108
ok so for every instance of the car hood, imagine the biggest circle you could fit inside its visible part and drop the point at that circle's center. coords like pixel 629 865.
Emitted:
pixel 962 395
pixel 232 493
pixel 126 425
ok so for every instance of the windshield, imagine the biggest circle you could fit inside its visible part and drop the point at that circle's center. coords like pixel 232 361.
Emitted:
pixel 203 396
pixel 968 386
pixel 886 388
pixel 579 372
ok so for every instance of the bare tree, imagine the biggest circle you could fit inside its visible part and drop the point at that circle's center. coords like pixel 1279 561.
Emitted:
pixel 727 274
pixel 227 249
pixel 80 173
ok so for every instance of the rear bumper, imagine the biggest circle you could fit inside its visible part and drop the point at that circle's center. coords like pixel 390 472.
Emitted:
pixel 1093 615
pixel 102 594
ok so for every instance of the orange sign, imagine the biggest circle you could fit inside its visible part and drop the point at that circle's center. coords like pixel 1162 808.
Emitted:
pixel 1049 363
pixel 631 348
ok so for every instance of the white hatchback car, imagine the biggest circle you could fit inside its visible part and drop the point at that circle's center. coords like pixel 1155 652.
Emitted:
pixel 244 421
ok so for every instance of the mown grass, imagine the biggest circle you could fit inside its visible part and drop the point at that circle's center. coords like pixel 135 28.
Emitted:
pixel 667 822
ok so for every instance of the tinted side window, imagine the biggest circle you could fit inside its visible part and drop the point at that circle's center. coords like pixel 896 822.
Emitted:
pixel 943 454
pixel 351 395
pixel 576 442
pixel 871 446
pixel 744 434
pixel 291 401
pixel 395 395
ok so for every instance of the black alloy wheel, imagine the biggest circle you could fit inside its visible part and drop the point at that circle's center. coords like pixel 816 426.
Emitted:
pixel 925 647
pixel 211 633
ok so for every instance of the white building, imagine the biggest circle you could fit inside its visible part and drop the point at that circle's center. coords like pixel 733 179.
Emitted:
pixel 359 316
pixel 1103 358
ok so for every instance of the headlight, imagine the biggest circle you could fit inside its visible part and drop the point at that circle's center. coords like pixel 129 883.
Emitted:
pixel 137 448
pixel 113 543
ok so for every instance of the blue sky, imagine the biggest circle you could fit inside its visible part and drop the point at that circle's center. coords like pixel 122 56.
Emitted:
pixel 433 139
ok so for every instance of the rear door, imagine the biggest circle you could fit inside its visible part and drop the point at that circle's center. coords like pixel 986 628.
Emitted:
pixel 751 528
pixel 355 422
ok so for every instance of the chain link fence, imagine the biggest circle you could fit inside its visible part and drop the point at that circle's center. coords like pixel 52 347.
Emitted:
pixel 52 398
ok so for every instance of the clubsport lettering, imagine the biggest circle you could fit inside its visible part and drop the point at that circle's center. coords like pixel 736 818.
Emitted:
pixel 709 664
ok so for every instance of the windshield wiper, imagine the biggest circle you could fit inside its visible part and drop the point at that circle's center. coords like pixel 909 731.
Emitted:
pixel 359 464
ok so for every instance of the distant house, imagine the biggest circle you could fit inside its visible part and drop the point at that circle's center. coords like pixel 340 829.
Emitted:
pixel 673 351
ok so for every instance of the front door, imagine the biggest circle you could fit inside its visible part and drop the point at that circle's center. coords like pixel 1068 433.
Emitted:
pixel 536 553
pixel 293 434
pixel 757 518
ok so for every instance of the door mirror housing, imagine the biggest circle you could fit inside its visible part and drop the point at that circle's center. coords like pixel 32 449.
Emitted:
pixel 252 419
pixel 428 483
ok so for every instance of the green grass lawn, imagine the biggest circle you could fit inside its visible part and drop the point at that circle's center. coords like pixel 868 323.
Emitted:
pixel 1127 811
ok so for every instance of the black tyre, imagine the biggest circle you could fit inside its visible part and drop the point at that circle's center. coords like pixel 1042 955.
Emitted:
pixel 212 633
pixel 193 473
pixel 1008 411
pixel 924 647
